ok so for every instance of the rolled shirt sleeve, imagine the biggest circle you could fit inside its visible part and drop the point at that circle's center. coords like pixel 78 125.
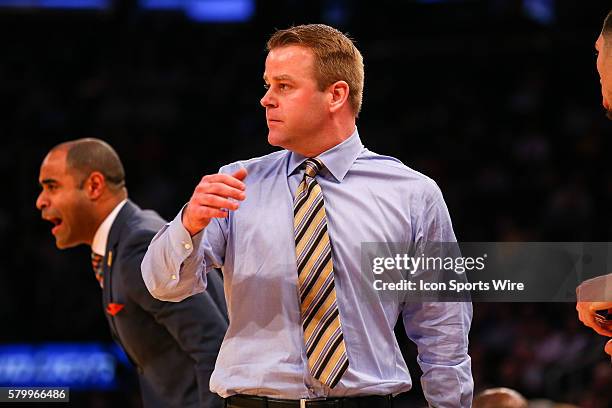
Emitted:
pixel 440 329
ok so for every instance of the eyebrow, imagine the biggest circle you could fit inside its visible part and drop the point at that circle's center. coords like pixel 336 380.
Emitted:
pixel 48 181
pixel 283 77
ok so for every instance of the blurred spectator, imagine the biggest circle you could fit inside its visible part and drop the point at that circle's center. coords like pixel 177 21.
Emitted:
pixel 499 398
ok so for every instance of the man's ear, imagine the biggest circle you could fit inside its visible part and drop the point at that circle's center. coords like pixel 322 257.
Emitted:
pixel 95 185
pixel 339 92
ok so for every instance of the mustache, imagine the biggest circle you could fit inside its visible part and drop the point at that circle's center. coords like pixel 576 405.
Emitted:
pixel 47 215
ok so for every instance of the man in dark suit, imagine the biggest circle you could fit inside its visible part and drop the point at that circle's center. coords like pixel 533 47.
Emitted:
pixel 173 345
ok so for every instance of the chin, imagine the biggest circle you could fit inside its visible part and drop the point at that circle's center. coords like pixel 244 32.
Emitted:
pixel 276 139
pixel 62 244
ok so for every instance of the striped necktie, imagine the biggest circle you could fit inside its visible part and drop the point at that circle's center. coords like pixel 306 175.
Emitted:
pixel 96 263
pixel 325 347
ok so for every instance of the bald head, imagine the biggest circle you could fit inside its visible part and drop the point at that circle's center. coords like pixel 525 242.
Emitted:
pixel 84 156
pixel 499 398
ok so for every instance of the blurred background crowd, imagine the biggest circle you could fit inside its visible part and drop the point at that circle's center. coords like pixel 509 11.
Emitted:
pixel 498 101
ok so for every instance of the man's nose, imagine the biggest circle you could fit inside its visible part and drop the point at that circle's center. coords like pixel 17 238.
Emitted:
pixel 267 101
pixel 41 201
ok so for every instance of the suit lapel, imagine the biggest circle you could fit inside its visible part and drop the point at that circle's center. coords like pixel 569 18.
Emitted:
pixel 115 232
pixel 110 258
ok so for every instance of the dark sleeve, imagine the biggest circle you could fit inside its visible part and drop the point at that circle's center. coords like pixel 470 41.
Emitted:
pixel 197 323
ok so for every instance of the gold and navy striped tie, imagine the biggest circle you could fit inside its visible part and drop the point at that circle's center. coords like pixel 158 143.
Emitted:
pixel 325 347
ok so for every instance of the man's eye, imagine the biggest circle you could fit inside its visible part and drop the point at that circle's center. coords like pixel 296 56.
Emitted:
pixel 283 87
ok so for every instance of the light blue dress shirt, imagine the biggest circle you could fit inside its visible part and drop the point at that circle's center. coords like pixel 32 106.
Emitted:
pixel 368 198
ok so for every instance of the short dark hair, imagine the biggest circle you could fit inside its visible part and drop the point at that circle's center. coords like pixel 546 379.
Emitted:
pixel 88 155
pixel 606 31
pixel 336 58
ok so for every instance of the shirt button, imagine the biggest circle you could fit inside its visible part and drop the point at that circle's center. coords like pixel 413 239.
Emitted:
pixel 187 246
pixel 173 277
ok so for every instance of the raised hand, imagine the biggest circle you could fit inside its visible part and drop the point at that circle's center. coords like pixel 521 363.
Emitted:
pixel 212 198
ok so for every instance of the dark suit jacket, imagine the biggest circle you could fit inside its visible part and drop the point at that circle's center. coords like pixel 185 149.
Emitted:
pixel 173 345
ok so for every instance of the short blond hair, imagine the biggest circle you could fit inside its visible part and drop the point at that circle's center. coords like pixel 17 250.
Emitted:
pixel 335 57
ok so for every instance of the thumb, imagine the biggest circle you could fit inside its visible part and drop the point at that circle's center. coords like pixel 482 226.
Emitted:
pixel 240 174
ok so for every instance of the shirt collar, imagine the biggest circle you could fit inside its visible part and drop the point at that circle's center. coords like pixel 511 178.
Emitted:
pixel 101 237
pixel 337 160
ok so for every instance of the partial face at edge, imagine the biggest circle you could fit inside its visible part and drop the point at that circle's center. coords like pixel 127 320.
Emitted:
pixel 63 203
pixel 604 68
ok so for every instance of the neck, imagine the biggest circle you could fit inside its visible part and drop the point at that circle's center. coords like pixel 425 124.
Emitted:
pixel 103 208
pixel 328 138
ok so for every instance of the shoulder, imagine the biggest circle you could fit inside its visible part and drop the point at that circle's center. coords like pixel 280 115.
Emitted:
pixel 392 170
pixel 137 231
pixel 140 228
pixel 262 165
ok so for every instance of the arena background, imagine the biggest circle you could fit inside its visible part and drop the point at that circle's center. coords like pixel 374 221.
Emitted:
pixel 498 101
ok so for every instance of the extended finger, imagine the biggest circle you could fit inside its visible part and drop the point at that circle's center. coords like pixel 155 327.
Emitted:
pixel 215 201
pixel 222 190
pixel 240 174
pixel 586 316
pixel 590 321
pixel 225 179
pixel 600 305
pixel 202 211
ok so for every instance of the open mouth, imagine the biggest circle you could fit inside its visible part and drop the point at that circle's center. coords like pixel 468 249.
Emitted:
pixel 57 222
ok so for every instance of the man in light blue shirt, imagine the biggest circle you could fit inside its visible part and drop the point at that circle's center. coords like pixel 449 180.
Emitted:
pixel 242 220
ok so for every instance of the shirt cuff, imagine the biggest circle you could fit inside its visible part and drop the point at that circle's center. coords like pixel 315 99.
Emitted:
pixel 184 243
